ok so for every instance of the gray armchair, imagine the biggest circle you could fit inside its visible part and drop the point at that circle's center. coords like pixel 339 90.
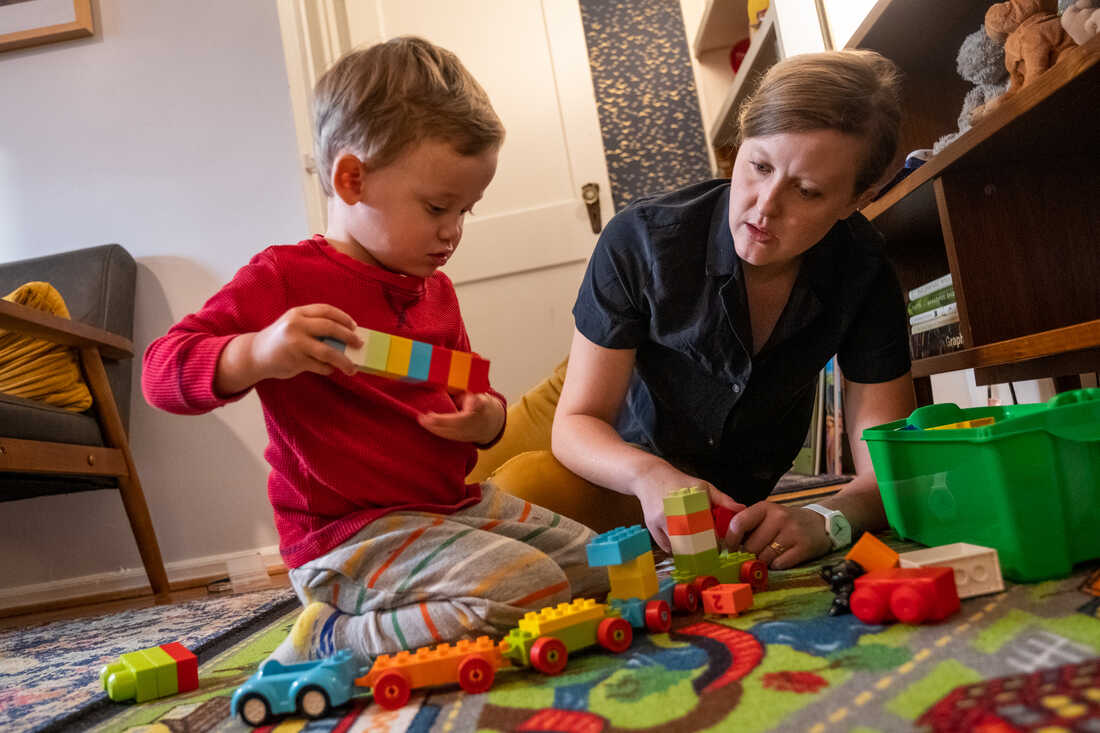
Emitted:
pixel 46 450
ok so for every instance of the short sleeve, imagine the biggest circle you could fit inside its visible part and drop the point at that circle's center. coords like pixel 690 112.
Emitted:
pixel 876 346
pixel 612 308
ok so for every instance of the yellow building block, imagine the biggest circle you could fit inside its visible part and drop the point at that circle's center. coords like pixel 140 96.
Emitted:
pixel 400 350
pixel 633 587
pixel 563 615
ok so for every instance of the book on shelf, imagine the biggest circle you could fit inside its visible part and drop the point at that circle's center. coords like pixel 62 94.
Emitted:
pixel 936 337
pixel 808 460
pixel 931 301
pixel 943 310
pixel 930 287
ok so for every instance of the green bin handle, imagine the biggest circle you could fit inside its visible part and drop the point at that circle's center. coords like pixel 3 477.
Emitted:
pixel 1082 431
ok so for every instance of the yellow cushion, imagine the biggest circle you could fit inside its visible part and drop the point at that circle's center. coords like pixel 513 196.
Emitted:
pixel 522 464
pixel 528 426
pixel 37 369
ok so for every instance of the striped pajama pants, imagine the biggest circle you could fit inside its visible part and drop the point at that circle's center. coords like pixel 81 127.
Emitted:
pixel 412 579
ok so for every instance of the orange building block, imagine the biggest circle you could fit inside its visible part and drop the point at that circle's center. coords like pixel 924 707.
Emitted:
pixel 872 554
pixel 690 523
pixel 727 599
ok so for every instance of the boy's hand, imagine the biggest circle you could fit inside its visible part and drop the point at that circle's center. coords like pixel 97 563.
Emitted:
pixel 289 346
pixel 479 418
pixel 652 488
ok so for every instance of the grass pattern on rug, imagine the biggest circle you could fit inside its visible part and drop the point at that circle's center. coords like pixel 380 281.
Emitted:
pixel 782 665
pixel 49 674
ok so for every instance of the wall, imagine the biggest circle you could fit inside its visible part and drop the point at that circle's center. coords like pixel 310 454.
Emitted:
pixel 170 133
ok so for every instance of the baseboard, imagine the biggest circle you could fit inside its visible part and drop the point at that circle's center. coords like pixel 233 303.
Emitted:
pixel 129 582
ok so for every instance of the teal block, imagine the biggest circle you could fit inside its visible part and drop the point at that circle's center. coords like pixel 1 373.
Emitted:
pixel 420 361
pixel 620 545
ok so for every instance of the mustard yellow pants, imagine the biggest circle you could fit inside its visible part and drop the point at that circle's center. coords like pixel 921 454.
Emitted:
pixel 522 465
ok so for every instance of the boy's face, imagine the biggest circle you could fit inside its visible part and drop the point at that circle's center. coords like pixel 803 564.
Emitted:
pixel 408 215
pixel 788 190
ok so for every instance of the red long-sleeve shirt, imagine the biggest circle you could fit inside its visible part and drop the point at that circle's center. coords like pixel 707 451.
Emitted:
pixel 343 450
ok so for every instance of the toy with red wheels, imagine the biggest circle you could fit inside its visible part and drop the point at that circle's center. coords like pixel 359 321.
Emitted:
pixel 694 530
pixel 472 664
pixel 545 639
pixel 909 595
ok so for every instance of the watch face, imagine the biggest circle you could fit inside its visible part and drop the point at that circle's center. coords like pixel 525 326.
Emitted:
pixel 840 530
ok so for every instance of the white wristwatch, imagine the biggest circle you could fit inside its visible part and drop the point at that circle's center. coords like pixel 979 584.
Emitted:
pixel 837 526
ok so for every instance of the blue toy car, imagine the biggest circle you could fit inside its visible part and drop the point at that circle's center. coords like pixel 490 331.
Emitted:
pixel 311 688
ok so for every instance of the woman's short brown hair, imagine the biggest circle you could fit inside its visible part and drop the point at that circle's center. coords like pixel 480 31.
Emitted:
pixel 378 101
pixel 856 92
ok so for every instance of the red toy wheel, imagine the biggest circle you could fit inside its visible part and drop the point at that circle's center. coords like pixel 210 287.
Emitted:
pixel 755 573
pixel 868 606
pixel 549 655
pixel 614 634
pixel 703 582
pixel 658 616
pixel 685 598
pixel 392 690
pixel 475 674
pixel 909 605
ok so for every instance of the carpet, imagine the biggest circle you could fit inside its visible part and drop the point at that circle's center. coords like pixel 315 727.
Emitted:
pixel 49 674
pixel 783 665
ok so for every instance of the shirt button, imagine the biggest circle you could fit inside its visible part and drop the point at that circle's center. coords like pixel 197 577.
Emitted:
pixel 736 388
pixel 710 442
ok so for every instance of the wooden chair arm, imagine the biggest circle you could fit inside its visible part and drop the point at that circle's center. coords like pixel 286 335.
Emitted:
pixel 44 325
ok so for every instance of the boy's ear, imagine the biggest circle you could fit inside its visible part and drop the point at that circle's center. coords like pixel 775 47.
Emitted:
pixel 347 178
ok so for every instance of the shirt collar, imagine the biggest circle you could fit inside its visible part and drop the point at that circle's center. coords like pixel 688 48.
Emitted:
pixel 722 258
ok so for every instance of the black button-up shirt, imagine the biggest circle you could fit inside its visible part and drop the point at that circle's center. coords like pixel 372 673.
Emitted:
pixel 665 279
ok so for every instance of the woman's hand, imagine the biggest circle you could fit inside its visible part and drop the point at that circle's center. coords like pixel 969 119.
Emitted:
pixel 780 536
pixel 289 346
pixel 662 479
pixel 479 418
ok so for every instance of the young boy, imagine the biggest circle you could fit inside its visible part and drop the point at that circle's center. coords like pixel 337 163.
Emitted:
pixel 387 545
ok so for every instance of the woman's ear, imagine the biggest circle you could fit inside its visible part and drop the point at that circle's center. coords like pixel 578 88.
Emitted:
pixel 348 179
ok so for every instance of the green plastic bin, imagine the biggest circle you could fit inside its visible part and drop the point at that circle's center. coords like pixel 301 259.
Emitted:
pixel 1028 485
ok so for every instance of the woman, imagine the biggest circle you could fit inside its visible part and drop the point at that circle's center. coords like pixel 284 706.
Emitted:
pixel 706 315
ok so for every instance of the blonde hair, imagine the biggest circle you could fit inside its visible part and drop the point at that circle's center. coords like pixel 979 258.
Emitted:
pixel 856 92
pixel 378 101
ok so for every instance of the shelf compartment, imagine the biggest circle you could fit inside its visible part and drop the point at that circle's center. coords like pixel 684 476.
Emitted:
pixel 1077 337
pixel 1054 116
pixel 762 55
pixel 724 23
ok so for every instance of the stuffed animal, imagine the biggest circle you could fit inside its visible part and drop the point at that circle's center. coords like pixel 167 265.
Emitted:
pixel 1081 20
pixel 981 61
pixel 1032 35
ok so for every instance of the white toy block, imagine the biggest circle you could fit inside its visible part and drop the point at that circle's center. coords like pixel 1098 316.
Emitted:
pixel 977 569
pixel 693 544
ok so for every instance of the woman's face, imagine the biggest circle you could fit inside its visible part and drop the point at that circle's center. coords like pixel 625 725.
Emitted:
pixel 788 190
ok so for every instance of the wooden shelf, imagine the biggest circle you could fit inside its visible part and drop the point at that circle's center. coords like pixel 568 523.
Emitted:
pixel 762 55
pixel 1013 351
pixel 1056 112
pixel 725 22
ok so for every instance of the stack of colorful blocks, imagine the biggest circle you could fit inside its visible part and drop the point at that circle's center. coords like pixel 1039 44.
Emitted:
pixel 150 673
pixel 626 554
pixel 397 357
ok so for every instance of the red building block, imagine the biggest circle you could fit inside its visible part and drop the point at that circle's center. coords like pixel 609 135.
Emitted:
pixel 727 599
pixel 910 595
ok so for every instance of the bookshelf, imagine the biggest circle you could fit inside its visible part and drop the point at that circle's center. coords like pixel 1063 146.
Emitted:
pixel 1009 208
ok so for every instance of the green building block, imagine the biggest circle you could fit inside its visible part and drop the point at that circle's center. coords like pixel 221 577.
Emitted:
pixel 703 563
pixel 686 501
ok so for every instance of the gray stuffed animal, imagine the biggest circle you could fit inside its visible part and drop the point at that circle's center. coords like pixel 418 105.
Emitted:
pixel 981 61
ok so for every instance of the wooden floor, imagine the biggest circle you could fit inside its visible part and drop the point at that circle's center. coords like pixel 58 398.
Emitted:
pixel 24 617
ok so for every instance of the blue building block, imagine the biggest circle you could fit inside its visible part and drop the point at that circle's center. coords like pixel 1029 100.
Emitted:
pixel 620 545
pixel 420 361
pixel 633 609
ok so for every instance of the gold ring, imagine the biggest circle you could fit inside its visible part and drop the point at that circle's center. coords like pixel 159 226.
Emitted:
pixel 779 549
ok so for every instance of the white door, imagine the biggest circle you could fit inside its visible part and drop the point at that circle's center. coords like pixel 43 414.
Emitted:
pixel 523 251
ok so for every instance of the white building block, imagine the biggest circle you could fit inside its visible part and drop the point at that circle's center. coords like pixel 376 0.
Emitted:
pixel 693 544
pixel 977 569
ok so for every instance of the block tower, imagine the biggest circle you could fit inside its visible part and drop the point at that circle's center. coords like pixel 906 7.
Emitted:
pixel 626 554
pixel 695 544
pixel 397 357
